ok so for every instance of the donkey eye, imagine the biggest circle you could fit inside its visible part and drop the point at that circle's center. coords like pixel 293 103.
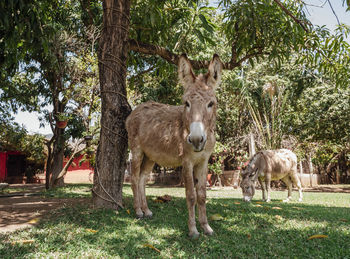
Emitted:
pixel 210 104
pixel 187 104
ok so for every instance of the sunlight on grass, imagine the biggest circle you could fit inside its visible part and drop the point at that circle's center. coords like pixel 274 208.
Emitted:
pixel 245 229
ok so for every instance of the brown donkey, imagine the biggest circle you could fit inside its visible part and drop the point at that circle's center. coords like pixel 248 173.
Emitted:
pixel 177 135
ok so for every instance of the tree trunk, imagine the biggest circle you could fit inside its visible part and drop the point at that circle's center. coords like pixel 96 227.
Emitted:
pixel 112 149
pixel 301 172
pixel 57 159
pixel 64 170
pixel 251 145
pixel 337 174
pixel 311 170
pixel 48 164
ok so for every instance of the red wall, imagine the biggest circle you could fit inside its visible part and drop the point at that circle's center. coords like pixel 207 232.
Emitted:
pixel 75 165
pixel 3 169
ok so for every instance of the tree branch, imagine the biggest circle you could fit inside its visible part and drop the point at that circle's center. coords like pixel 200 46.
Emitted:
pixel 173 58
pixel 291 15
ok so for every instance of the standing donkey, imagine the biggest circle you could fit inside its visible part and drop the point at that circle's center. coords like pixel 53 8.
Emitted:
pixel 177 135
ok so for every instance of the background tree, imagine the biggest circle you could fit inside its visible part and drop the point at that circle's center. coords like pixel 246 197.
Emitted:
pixel 45 45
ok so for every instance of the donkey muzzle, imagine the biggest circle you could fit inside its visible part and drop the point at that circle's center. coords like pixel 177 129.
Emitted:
pixel 247 198
pixel 197 137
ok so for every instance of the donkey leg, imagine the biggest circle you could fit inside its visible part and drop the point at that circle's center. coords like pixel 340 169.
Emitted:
pixel 200 174
pixel 263 188
pixel 190 200
pixel 136 161
pixel 288 182
pixel 296 181
pixel 146 168
pixel 268 186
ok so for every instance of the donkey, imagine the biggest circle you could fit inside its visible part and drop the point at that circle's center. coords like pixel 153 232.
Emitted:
pixel 177 135
pixel 270 165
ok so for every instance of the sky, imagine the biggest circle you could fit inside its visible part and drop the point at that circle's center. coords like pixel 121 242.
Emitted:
pixel 317 15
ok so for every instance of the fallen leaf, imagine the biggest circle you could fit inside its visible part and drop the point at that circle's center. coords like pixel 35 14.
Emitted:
pixel 33 221
pixel 249 236
pixel 297 208
pixel 91 230
pixel 216 217
pixel 344 220
pixel 27 241
pixel 225 205
pixel 317 236
pixel 128 211
pixel 278 217
pixel 276 208
pixel 258 205
pixel 236 202
pixel 259 202
pixel 152 247
pixel 159 201
pixel 164 198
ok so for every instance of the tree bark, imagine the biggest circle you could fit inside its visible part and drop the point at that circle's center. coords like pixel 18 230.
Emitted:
pixel 64 170
pixel 57 159
pixel 311 170
pixel 301 172
pixel 251 145
pixel 112 149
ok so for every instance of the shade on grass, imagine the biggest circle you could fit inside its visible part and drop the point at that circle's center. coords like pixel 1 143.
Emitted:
pixel 245 230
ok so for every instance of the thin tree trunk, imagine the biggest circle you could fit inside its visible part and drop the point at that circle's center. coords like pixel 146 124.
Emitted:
pixel 48 164
pixel 64 170
pixel 311 170
pixel 112 149
pixel 337 174
pixel 301 172
pixel 251 145
pixel 57 159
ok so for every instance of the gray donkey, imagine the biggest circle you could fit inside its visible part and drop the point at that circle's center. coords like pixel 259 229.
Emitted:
pixel 270 165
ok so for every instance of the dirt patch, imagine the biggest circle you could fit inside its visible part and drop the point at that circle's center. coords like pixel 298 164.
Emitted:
pixel 24 208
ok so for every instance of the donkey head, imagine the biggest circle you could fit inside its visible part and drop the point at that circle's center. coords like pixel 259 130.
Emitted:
pixel 199 100
pixel 249 177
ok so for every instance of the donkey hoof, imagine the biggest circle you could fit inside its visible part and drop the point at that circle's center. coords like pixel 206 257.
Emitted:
pixel 209 233
pixel 287 200
pixel 139 215
pixel 300 199
pixel 194 235
pixel 208 230
pixel 148 214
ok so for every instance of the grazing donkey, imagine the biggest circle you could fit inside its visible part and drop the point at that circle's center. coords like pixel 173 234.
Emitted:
pixel 177 135
pixel 270 165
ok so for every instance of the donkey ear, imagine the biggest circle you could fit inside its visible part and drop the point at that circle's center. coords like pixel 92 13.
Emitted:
pixel 214 72
pixel 185 71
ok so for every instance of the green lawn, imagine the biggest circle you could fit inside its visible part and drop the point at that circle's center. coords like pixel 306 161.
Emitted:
pixel 247 230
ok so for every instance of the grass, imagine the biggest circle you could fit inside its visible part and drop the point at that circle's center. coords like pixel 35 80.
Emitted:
pixel 69 191
pixel 247 230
